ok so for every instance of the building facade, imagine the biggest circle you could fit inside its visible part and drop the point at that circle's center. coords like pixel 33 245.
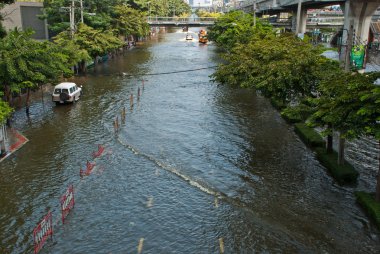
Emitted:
pixel 24 15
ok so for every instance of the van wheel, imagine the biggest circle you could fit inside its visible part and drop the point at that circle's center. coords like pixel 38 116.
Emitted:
pixel 74 99
pixel 57 103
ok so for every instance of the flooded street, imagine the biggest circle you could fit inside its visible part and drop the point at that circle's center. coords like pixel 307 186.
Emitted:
pixel 196 168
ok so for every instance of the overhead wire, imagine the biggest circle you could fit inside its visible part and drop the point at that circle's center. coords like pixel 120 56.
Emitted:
pixel 170 72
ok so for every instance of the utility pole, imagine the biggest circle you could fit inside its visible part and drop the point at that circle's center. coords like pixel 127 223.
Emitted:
pixel 71 11
pixel 72 18
pixel 81 11
pixel 254 13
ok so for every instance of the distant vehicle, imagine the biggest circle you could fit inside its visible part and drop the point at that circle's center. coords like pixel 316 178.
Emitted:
pixel 66 92
pixel 202 35
pixel 189 37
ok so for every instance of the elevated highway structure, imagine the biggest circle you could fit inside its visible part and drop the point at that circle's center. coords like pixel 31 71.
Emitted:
pixel 357 13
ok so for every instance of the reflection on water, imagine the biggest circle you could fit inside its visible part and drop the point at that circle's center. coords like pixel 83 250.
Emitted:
pixel 196 167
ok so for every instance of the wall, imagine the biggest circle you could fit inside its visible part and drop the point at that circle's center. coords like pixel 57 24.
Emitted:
pixel 24 15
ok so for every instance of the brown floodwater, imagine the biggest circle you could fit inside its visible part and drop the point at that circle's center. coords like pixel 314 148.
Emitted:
pixel 196 167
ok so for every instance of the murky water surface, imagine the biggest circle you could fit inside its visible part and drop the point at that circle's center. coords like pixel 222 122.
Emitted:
pixel 194 167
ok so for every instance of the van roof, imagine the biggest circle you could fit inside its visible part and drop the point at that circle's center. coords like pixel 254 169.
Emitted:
pixel 65 85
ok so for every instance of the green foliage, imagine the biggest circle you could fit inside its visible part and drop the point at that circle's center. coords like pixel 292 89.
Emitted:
pixel 58 18
pixel 345 173
pixel 368 202
pixel 162 8
pixel 277 104
pixel 236 28
pixel 348 102
pixel 129 21
pixel 203 13
pixel 27 63
pixel 281 67
pixel 296 114
pixel 5 111
pixel 369 111
pixel 95 42
pixel 309 135
pixel 70 48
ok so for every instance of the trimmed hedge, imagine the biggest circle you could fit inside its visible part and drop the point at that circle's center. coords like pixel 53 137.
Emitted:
pixel 367 201
pixel 277 104
pixel 291 118
pixel 342 173
pixel 309 135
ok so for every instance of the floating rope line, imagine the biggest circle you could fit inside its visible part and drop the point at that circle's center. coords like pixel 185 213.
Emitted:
pixel 171 72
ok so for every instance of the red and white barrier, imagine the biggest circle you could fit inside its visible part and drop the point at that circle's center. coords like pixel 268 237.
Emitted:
pixel 67 202
pixel 89 167
pixel 99 152
pixel 43 230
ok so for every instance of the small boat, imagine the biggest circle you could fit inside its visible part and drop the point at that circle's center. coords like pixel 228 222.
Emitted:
pixel 189 37
pixel 202 35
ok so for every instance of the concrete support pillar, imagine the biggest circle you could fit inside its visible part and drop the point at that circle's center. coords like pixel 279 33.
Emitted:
pixel 357 21
pixel 360 12
pixel 301 19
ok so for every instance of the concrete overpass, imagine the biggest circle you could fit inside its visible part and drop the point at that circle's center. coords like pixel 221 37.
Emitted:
pixel 357 13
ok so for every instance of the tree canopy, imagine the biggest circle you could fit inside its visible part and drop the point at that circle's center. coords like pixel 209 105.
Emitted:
pixel 95 42
pixel 235 28
pixel 129 21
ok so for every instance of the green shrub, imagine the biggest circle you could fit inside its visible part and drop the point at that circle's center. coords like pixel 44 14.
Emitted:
pixel 369 204
pixel 296 114
pixel 345 173
pixel 278 104
pixel 291 116
pixel 308 135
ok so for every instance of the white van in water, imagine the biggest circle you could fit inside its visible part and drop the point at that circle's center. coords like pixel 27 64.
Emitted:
pixel 66 92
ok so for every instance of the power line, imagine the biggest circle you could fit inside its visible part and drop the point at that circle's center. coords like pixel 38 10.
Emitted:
pixel 171 72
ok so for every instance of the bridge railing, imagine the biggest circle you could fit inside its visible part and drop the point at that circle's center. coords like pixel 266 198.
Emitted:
pixel 163 20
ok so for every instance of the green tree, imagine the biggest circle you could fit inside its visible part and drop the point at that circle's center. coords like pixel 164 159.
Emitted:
pixel 94 42
pixel 370 116
pixel 236 28
pixel 5 111
pixel 26 63
pixel 129 21
pixel 281 67
pixel 162 8
pixel 58 18
pixel 340 100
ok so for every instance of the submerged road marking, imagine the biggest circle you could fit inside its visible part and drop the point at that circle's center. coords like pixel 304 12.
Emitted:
pixel 216 202
pixel 221 245
pixel 149 204
pixel 140 247
pixel 198 184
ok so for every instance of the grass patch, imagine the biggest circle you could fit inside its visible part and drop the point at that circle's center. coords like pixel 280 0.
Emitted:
pixel 308 135
pixel 367 201
pixel 278 104
pixel 342 173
